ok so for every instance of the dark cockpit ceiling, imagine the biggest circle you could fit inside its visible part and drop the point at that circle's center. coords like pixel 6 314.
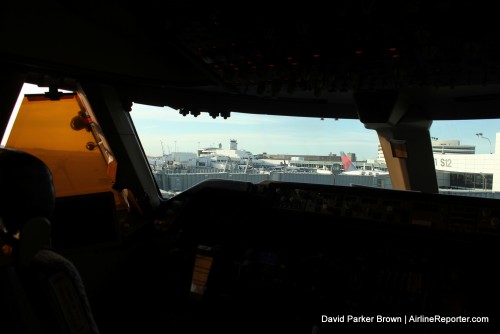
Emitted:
pixel 307 59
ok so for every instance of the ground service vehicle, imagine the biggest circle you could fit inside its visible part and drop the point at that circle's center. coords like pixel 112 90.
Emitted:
pixel 248 254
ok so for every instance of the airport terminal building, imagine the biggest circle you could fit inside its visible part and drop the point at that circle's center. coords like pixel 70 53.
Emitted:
pixel 458 170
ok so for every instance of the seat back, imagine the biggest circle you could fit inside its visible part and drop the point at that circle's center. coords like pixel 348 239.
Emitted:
pixel 42 291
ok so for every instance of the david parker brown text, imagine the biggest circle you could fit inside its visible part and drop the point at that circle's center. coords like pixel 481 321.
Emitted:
pixel 360 319
pixel 405 319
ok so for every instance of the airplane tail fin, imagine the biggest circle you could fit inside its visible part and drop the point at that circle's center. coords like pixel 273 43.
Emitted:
pixel 349 166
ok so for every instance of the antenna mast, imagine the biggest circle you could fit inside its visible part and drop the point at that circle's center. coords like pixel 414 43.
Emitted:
pixel 162 148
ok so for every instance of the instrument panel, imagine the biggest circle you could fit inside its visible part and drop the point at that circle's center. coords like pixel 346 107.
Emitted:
pixel 299 252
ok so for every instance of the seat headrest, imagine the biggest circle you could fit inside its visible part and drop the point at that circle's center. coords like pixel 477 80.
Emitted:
pixel 26 189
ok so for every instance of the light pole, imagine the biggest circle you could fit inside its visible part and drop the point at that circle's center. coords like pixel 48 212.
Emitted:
pixel 480 135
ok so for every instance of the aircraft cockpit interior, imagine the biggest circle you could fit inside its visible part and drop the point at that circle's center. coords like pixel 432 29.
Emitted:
pixel 180 167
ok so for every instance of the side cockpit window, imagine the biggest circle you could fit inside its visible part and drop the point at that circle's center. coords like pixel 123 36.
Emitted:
pixel 64 134
pixel 61 129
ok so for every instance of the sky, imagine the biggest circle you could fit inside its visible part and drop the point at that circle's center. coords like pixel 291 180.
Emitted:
pixel 284 135
pixel 162 129
pixel 254 133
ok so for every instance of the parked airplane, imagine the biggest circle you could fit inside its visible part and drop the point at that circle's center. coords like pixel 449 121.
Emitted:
pixel 351 169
